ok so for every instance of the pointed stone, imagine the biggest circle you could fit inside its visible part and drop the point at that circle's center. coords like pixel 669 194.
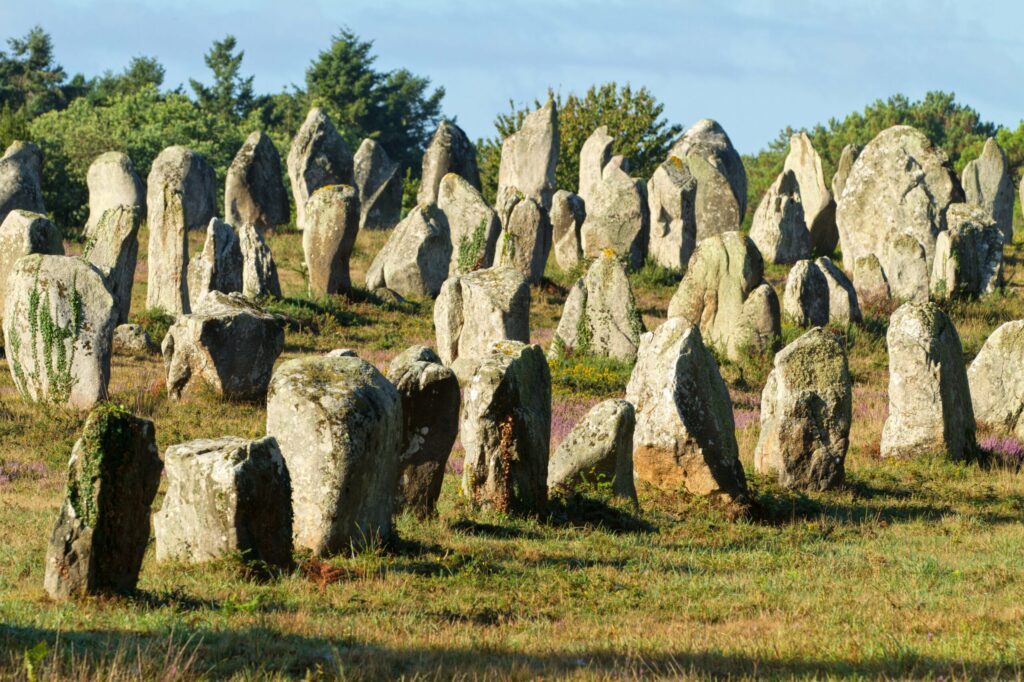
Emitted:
pixel 254 193
pixel 379 184
pixel 529 156
pixel 219 266
pixel 779 228
pixel 450 151
pixel 721 178
pixel 617 218
pixel 843 168
pixel 988 184
pixel 818 205
pixel 318 157
pixel 259 271
pixel 594 156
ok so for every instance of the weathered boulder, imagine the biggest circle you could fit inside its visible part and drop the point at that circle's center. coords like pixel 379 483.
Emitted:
pixel 599 449
pixel 843 306
pixel 318 157
pixel 102 529
pixel 595 154
pixel 806 409
pixel 685 436
pixel 806 299
pixel 529 156
pixel 617 217
pixel 450 151
pixel 472 223
pixel 869 279
pixel 506 430
pixel 331 224
pixel 254 193
pixel 415 260
pixel 58 322
pixel 843 168
pixel 23 233
pixel 567 215
pixel 430 423
pixel 996 380
pixel 179 169
pixel 379 184
pixel 112 182
pixel 132 339
pixel 725 294
pixel 968 255
pixel 905 262
pixel 671 197
pixel 259 271
pixel 779 229
pixel 987 183
pixel 21 179
pixel 525 239
pixel 228 343
pixel 819 207
pixel 338 423
pixel 225 496
pixel 219 266
pixel 113 247
pixel 721 179
pixel 600 316
pixel 929 397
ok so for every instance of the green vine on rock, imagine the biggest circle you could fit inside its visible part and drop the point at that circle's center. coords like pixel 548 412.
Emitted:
pixel 44 330
pixel 472 249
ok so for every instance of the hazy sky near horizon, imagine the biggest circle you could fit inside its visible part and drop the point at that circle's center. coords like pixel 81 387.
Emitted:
pixel 755 66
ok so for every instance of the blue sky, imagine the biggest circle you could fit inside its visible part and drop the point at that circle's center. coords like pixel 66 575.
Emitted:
pixel 754 66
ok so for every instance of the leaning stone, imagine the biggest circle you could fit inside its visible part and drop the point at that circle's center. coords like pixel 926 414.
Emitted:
pixel 806 300
pixel 525 239
pixel 338 423
pixel 671 198
pixel 113 248
pixel 599 449
pixel 102 530
pixel 132 339
pixel 331 226
pixel 843 306
pixel 379 184
pixel 219 266
pixel 997 382
pixel 259 271
pixel 906 268
pixel 21 179
pixel 450 151
pixel 987 183
pixel 415 260
pixel 473 224
pixel 779 228
pixel 969 255
pixel 595 154
pixel 23 233
pixel 112 182
pixel 529 156
pixel 721 179
pixel 567 215
pixel 818 205
pixel 846 159
pixel 318 157
pixel 225 496
pixel 617 218
pixel 254 193
pixel 227 343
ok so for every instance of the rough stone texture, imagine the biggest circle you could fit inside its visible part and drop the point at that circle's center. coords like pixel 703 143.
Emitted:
pixel 472 223
pixel 529 156
pixel 725 294
pixel 113 247
pixel 132 339
pixel 987 183
pixel 600 316
pixel 21 179
pixel 594 156
pixel 806 299
pixel 567 215
pixel 806 409
pixel 474 311
pixel 506 430
pixel 58 322
pixel 843 168
pixel 905 262
pixel 379 185
pixel 869 279
pixel 254 193
pixel 721 179
pixel 996 380
pixel 685 436
pixel 415 260
pixel 843 306
pixel 219 266
pixel 23 233
pixel 929 397
pixel 182 170
pixel 818 205
pixel 779 229
pixel 102 529
pixel 450 151
pixel 318 157
pixel 112 182
pixel 671 198
pixel 331 226
pixel 227 343
pixel 259 271
pixel 430 414
pixel 599 449
pixel 338 423
pixel 225 496
pixel 900 184
pixel 525 239
pixel 617 217
pixel 968 255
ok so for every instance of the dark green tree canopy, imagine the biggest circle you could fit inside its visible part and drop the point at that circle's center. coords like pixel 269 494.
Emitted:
pixel 30 77
pixel 231 95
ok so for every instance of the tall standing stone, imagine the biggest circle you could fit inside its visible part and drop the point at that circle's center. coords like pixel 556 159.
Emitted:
pixel 779 227
pixel 525 240
pixel 997 381
pixel 259 271
pixel 379 184
pixel 671 200
pixel 219 266
pixel 318 157
pixel 721 178
pixel 254 193
pixel 23 233
pixel 843 168
pixel 818 205
pixel 113 247
pixel 969 255
pixel 450 151
pixel 185 171
pixel 529 156
pixel 594 156
pixel 987 183
pixel 112 182
pixel 806 299
pixel 414 262
pixel 21 170
pixel 331 227
pixel 568 212
pixel 617 217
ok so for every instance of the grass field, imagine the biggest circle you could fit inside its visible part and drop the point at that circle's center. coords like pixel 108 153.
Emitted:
pixel 914 569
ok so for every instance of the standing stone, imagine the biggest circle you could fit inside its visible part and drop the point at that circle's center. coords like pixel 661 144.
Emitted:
pixel 58 323
pixel 929 397
pixel 259 271
pixel 779 228
pixel 671 197
pixel 600 316
pixel 806 299
pixel 599 449
pixel 23 233
pixel 525 239
pixel 617 217
pixel 987 184
pixel 450 151
pixel 21 169
pixel 725 294
pixel 685 436
pixel 414 262
pixel 721 179
pixel 225 496
pixel 528 156
pixel 567 215
pixel 843 306
pixel 473 224
pixel 379 185
pixel 182 170
pixel 474 311
pixel 997 382
pixel 869 280
pixel 843 168
pixel 905 262
pixel 113 248
pixel 318 157
pixel 112 182
pixel 969 255
pixel 329 234
pixel 219 266
pixel 338 423
pixel 254 193
pixel 430 423
pixel 228 343
pixel 102 530
pixel 806 409
pixel 594 156
pixel 818 205
pixel 506 430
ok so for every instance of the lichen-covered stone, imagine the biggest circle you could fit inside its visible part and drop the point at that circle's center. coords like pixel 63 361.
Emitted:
pixel 987 183
pixel 779 229
pixel 21 179
pixel 415 260
pixel 449 151
pixel 219 266
pixel 721 179
pixel 869 279
pixel 187 172
pixel 379 184
pixel 595 154
pixel 599 449
pixel 113 247
pixel 318 157
pixel 849 155
pixel 843 306
pixel 905 262
pixel 472 223
pixel 23 233
pixel 254 193
pixel 331 224
pixel 525 239
pixel 568 212
pixel 259 271
pixel 617 217
pixel 132 339
pixel 806 299
pixel 819 208
pixel 671 201
pixel 112 182
pixel 996 380
pixel 968 255
pixel 529 156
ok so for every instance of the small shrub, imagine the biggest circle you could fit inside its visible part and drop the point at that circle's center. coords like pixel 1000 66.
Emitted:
pixel 156 322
